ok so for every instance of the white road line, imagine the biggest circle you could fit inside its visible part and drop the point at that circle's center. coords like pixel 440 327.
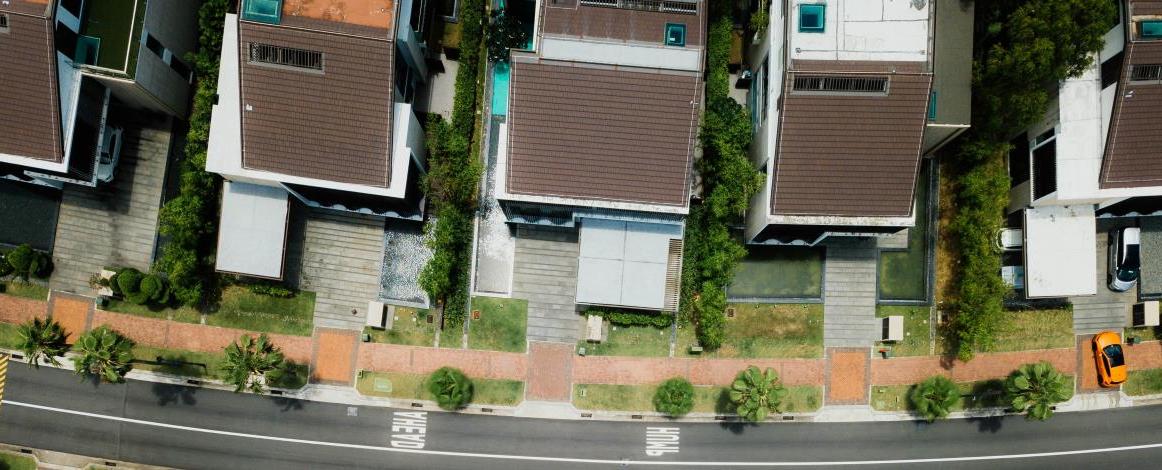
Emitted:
pixel 587 461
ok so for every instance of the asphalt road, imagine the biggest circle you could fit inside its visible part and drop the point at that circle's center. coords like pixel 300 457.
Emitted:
pixel 197 428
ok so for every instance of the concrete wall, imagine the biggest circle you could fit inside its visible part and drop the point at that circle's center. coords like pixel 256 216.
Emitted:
pixel 174 24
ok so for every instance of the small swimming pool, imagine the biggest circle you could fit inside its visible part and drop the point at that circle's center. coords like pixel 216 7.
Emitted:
pixel 500 89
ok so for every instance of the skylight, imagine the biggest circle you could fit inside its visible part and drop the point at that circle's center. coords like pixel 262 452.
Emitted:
pixel 263 11
pixel 812 18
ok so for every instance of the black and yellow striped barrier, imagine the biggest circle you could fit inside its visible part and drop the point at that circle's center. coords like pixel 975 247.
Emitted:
pixel 3 375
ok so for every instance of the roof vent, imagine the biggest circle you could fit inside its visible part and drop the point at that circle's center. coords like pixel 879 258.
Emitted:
pixel 878 85
pixel 263 11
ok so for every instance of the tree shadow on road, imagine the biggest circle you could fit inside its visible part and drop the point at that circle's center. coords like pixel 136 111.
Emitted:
pixel 169 393
pixel 989 424
pixel 287 404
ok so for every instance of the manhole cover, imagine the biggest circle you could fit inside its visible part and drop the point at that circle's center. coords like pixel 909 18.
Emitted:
pixel 382 385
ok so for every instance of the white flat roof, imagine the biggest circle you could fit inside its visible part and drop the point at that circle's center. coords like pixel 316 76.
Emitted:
pixel 884 30
pixel 252 233
pixel 1059 251
pixel 624 263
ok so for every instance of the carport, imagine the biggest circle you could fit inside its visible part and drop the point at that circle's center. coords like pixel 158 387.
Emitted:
pixel 1058 243
pixel 1150 280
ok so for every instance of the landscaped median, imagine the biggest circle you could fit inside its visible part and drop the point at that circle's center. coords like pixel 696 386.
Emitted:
pixel 410 386
pixel 707 399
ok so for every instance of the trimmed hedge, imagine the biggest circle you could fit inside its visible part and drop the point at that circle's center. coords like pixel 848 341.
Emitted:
pixel 25 262
pixel 453 177
pixel 632 318
pixel 188 221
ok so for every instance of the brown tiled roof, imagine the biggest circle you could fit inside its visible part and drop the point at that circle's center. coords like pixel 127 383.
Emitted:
pixel 851 154
pixel 570 18
pixel 333 125
pixel 620 134
pixel 30 110
pixel 1133 156
pixel 1145 7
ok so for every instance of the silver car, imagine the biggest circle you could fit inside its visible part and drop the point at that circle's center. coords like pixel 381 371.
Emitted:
pixel 1124 258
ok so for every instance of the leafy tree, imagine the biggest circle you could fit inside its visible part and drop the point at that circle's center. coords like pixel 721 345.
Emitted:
pixel 674 397
pixel 24 262
pixel 152 290
pixel 1034 388
pixel 934 397
pixel 452 389
pixel 757 393
pixel 42 340
pixel 249 360
pixel 105 353
pixel 504 32
pixel 710 308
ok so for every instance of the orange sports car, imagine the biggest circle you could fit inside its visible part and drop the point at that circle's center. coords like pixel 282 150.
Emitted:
pixel 1111 363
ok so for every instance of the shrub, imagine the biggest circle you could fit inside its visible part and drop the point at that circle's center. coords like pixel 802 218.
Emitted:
pixel 5 268
pixel 755 393
pixel 451 388
pixel 153 290
pixel 1035 388
pixel 272 290
pixel 632 318
pixel 128 282
pixel 934 397
pixel 104 353
pixel 674 397
pixel 24 262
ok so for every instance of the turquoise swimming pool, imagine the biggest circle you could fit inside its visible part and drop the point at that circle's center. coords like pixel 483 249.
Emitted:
pixel 500 75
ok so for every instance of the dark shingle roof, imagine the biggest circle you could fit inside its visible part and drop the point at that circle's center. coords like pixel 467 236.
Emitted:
pixel 30 114
pixel 568 18
pixel 851 154
pixel 621 134
pixel 1133 156
pixel 333 125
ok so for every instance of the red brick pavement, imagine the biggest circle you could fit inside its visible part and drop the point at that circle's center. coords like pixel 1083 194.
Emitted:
pixel 483 364
pixel 333 360
pixel 909 370
pixel 72 312
pixel 19 310
pixel 847 375
pixel 642 370
pixel 1146 355
pixel 1086 366
pixel 550 371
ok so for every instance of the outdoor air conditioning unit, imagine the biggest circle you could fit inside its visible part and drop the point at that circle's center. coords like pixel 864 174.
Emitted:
pixel 892 328
pixel 380 316
pixel 1144 314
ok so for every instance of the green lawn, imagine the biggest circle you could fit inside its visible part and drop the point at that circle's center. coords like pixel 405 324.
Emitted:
pixel 501 326
pixel 974 395
pixel 452 337
pixel 631 341
pixel 9 335
pixel 917 338
pixel 1146 333
pixel 410 327
pixel 1024 330
pixel 766 330
pixel 1143 382
pixel 903 275
pixel 28 290
pixel 411 386
pixel 800 399
pixel 16 462
pixel 246 310
pixel 206 365
pixel 779 272
pixel 181 314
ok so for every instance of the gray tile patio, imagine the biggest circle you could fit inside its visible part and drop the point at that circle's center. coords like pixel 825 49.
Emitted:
pixel 545 274
pixel 341 254
pixel 849 293
pixel 1107 309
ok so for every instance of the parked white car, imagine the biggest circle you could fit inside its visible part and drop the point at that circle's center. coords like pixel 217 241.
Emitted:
pixel 110 153
pixel 1125 259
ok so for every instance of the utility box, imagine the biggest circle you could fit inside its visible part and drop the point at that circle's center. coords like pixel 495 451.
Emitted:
pixel 380 316
pixel 892 328
pixel 1145 314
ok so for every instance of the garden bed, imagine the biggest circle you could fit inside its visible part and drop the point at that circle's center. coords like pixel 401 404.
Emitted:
pixel 639 398
pixel 412 386
pixel 239 308
pixel 410 327
pixel 917 332
pixel 903 274
pixel 1026 330
pixel 501 326
pixel 766 331
pixel 974 395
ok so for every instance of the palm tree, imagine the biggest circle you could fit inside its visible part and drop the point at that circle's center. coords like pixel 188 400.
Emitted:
pixel 248 360
pixel 1034 388
pixel 104 354
pixel 934 397
pixel 452 389
pixel 42 340
pixel 757 393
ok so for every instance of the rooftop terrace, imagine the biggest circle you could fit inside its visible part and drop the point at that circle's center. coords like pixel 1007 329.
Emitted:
pixel 113 26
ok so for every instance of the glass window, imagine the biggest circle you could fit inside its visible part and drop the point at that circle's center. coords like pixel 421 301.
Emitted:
pixel 1151 29
pixel 932 105
pixel 675 34
pixel 811 18
pixel 1114 353
pixel 264 11
pixel 1044 165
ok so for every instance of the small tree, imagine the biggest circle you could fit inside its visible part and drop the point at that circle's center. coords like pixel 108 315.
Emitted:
pixel 452 389
pixel 42 340
pixel 248 361
pixel 934 397
pixel 24 262
pixel 104 354
pixel 674 397
pixel 152 290
pixel 757 393
pixel 1034 388
pixel 128 283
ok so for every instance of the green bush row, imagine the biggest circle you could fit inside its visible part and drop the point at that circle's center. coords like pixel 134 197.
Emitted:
pixel 24 262
pixel 454 176
pixel 1021 47
pixel 632 318
pixel 729 181
pixel 140 288
pixel 188 221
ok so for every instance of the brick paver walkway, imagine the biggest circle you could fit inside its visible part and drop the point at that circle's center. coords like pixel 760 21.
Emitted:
pixel 910 370
pixel 19 310
pixel 847 376
pixel 333 360
pixel 550 372
pixel 73 312
pixel 422 360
